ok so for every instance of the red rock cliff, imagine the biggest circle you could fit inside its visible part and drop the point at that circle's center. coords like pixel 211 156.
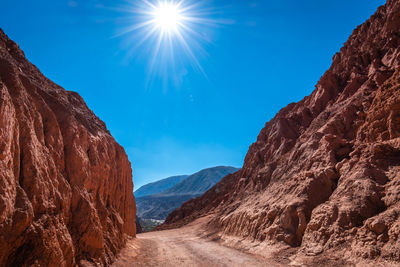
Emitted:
pixel 324 173
pixel 66 185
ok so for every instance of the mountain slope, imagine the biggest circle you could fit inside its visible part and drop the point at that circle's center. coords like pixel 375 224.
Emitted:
pixel 66 185
pixel 158 206
pixel 159 186
pixel 200 182
pixel 324 173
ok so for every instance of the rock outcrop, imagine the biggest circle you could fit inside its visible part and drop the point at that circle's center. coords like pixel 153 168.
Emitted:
pixel 66 194
pixel 324 173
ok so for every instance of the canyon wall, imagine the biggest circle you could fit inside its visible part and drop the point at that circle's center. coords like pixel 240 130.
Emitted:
pixel 324 173
pixel 66 194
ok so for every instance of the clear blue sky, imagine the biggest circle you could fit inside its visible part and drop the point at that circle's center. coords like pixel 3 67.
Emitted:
pixel 262 56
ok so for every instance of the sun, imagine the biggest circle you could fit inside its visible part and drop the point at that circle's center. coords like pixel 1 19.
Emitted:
pixel 171 34
pixel 167 16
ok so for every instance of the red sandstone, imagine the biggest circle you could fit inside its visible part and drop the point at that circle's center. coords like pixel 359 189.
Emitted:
pixel 324 173
pixel 66 186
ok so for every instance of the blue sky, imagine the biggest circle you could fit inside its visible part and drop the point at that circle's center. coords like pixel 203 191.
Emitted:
pixel 174 119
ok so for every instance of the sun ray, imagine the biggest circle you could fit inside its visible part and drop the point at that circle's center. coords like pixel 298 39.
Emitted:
pixel 175 31
pixel 189 51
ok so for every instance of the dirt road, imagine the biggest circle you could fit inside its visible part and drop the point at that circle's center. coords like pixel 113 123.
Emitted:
pixel 182 247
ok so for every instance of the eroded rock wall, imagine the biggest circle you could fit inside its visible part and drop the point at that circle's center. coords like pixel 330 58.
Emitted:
pixel 66 193
pixel 324 173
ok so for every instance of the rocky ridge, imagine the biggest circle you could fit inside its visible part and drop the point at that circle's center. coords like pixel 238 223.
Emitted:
pixel 324 173
pixel 66 185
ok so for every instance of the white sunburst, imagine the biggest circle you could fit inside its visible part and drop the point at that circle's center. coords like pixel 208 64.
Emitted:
pixel 167 17
pixel 169 26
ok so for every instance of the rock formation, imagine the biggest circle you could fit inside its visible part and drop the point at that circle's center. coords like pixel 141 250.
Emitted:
pixel 324 173
pixel 66 186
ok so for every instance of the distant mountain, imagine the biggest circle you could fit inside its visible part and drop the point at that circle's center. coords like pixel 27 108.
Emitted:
pixel 200 182
pixel 159 186
pixel 158 206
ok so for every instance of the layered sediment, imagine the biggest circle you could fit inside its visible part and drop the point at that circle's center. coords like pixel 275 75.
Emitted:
pixel 324 173
pixel 66 194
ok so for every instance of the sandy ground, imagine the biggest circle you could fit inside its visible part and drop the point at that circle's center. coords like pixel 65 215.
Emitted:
pixel 183 247
pixel 192 246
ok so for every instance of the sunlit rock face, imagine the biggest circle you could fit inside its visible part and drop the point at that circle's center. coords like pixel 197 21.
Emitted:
pixel 324 173
pixel 66 185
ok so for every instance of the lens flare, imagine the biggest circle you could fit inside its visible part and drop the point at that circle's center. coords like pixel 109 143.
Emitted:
pixel 172 34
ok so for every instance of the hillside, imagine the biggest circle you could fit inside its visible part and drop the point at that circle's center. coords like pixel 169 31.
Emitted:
pixel 158 206
pixel 159 186
pixel 323 176
pixel 200 182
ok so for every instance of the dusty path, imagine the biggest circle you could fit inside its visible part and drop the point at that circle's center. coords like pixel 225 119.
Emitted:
pixel 182 247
